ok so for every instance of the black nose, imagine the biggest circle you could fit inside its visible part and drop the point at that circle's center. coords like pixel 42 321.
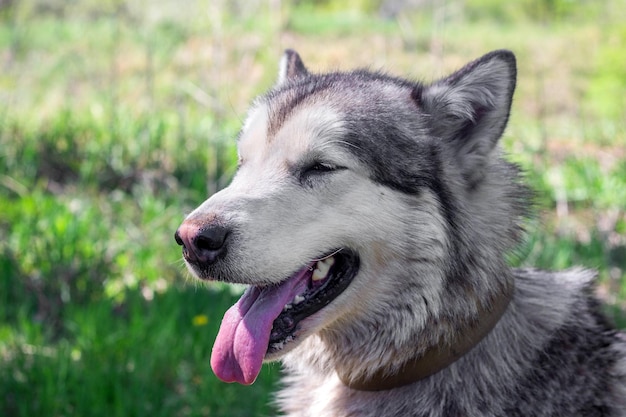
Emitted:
pixel 202 245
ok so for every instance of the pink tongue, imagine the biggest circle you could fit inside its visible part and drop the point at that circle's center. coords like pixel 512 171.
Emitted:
pixel 244 335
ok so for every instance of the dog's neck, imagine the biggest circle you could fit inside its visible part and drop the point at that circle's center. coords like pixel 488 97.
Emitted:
pixel 438 357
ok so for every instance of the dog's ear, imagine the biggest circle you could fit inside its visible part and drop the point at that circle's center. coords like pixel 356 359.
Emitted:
pixel 470 109
pixel 291 67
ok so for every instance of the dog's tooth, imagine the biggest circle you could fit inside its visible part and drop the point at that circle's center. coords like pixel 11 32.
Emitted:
pixel 298 299
pixel 321 268
pixel 318 275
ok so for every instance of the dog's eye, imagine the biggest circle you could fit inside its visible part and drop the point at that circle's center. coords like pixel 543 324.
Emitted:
pixel 317 169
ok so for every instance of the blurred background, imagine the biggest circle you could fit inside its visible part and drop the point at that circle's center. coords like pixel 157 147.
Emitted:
pixel 118 117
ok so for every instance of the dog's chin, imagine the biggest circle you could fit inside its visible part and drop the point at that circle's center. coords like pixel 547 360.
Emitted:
pixel 269 321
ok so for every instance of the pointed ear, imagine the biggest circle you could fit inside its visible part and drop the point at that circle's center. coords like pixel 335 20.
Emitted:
pixel 291 67
pixel 469 109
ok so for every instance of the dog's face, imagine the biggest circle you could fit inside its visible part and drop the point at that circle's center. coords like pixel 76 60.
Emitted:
pixel 337 191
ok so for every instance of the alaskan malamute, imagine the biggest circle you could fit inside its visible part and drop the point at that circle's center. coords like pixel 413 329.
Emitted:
pixel 370 217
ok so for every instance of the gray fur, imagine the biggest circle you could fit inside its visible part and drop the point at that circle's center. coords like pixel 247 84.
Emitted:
pixel 527 366
pixel 415 183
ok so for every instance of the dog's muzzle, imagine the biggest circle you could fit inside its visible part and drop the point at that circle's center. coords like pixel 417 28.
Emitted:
pixel 269 319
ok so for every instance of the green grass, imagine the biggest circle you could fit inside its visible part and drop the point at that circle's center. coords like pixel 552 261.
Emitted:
pixel 117 118
pixel 136 358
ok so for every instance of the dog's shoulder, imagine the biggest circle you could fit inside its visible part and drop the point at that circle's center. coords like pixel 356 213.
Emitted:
pixel 584 351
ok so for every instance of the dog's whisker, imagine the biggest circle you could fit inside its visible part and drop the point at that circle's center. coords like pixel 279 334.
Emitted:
pixel 330 143
pixel 327 256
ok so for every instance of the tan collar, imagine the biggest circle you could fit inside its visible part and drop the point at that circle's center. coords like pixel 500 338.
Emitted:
pixel 438 357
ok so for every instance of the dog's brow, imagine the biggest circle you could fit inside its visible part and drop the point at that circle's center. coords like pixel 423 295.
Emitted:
pixel 282 104
pixel 279 110
pixel 343 143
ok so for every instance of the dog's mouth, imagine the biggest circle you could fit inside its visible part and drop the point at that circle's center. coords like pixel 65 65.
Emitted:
pixel 266 319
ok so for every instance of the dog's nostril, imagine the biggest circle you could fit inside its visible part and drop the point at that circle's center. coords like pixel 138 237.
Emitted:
pixel 211 239
pixel 178 239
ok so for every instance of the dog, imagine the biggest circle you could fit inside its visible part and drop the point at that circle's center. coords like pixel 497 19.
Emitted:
pixel 370 217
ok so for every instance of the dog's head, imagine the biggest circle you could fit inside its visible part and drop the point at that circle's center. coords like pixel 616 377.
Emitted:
pixel 350 187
